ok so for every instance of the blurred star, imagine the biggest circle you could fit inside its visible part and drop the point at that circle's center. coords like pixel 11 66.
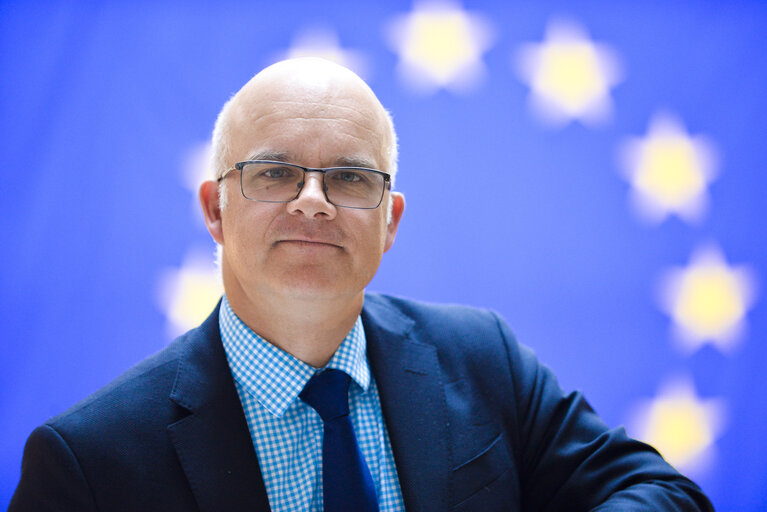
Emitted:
pixel 680 425
pixel 708 300
pixel 569 75
pixel 669 171
pixel 324 43
pixel 440 45
pixel 188 294
pixel 196 169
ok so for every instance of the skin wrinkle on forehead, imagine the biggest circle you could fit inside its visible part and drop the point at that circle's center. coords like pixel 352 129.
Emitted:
pixel 321 118
pixel 374 131
pixel 244 118
pixel 321 104
pixel 306 106
pixel 349 98
pixel 311 99
pixel 376 162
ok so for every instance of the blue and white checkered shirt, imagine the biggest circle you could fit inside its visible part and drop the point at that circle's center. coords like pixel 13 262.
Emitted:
pixel 287 433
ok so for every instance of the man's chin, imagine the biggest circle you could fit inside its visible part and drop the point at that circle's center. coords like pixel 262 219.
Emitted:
pixel 307 284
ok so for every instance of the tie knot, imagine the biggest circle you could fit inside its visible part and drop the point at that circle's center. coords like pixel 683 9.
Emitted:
pixel 328 394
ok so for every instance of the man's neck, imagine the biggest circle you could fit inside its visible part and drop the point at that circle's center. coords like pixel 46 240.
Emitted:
pixel 309 329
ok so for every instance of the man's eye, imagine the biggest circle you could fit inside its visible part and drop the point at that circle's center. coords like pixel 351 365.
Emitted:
pixel 276 172
pixel 348 176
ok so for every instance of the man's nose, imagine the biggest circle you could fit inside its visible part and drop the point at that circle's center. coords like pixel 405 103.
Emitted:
pixel 311 200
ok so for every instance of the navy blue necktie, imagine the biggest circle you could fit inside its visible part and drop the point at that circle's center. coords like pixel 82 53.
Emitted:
pixel 346 482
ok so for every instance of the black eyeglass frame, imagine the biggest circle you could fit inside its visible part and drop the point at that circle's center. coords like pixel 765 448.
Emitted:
pixel 324 170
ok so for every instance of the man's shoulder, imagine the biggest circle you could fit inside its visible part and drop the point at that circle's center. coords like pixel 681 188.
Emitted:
pixel 451 328
pixel 456 316
pixel 149 381
pixel 142 394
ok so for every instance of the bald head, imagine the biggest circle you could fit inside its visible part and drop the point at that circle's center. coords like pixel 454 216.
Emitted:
pixel 306 88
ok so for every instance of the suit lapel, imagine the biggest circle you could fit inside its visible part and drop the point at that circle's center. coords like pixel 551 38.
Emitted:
pixel 215 449
pixel 409 381
pixel 213 443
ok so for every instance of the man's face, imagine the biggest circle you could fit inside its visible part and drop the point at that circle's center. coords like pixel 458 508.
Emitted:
pixel 308 248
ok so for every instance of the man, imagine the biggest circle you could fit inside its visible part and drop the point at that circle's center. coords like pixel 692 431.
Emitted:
pixel 445 410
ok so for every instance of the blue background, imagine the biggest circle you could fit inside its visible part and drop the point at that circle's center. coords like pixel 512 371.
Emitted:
pixel 101 103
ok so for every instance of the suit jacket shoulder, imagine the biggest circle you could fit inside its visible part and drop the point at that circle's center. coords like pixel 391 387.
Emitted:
pixel 513 436
pixel 168 434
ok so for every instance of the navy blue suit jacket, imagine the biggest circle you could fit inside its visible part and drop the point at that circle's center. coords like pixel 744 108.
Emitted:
pixel 476 424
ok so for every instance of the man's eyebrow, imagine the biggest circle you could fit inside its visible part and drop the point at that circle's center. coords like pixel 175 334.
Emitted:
pixel 350 161
pixel 277 156
pixel 341 161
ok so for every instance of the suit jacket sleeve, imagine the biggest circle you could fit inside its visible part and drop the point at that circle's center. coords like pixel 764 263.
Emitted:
pixel 51 476
pixel 570 460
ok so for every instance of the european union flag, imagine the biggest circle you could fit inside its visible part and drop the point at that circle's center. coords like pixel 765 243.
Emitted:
pixel 594 172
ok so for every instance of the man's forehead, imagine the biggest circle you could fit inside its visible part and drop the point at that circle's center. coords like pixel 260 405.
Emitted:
pixel 307 142
pixel 311 135
pixel 320 105
pixel 290 110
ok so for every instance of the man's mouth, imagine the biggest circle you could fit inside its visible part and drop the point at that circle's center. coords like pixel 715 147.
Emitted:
pixel 309 243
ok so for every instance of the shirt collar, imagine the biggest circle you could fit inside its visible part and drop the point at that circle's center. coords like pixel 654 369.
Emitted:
pixel 274 377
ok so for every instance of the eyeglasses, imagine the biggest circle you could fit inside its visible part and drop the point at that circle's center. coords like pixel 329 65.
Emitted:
pixel 277 182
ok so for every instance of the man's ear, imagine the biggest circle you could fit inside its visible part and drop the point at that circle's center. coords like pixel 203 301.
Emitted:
pixel 209 201
pixel 397 209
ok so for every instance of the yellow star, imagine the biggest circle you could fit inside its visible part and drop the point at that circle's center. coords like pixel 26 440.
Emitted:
pixel 324 43
pixel 681 426
pixel 188 294
pixel 440 45
pixel 708 300
pixel 569 75
pixel 669 171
